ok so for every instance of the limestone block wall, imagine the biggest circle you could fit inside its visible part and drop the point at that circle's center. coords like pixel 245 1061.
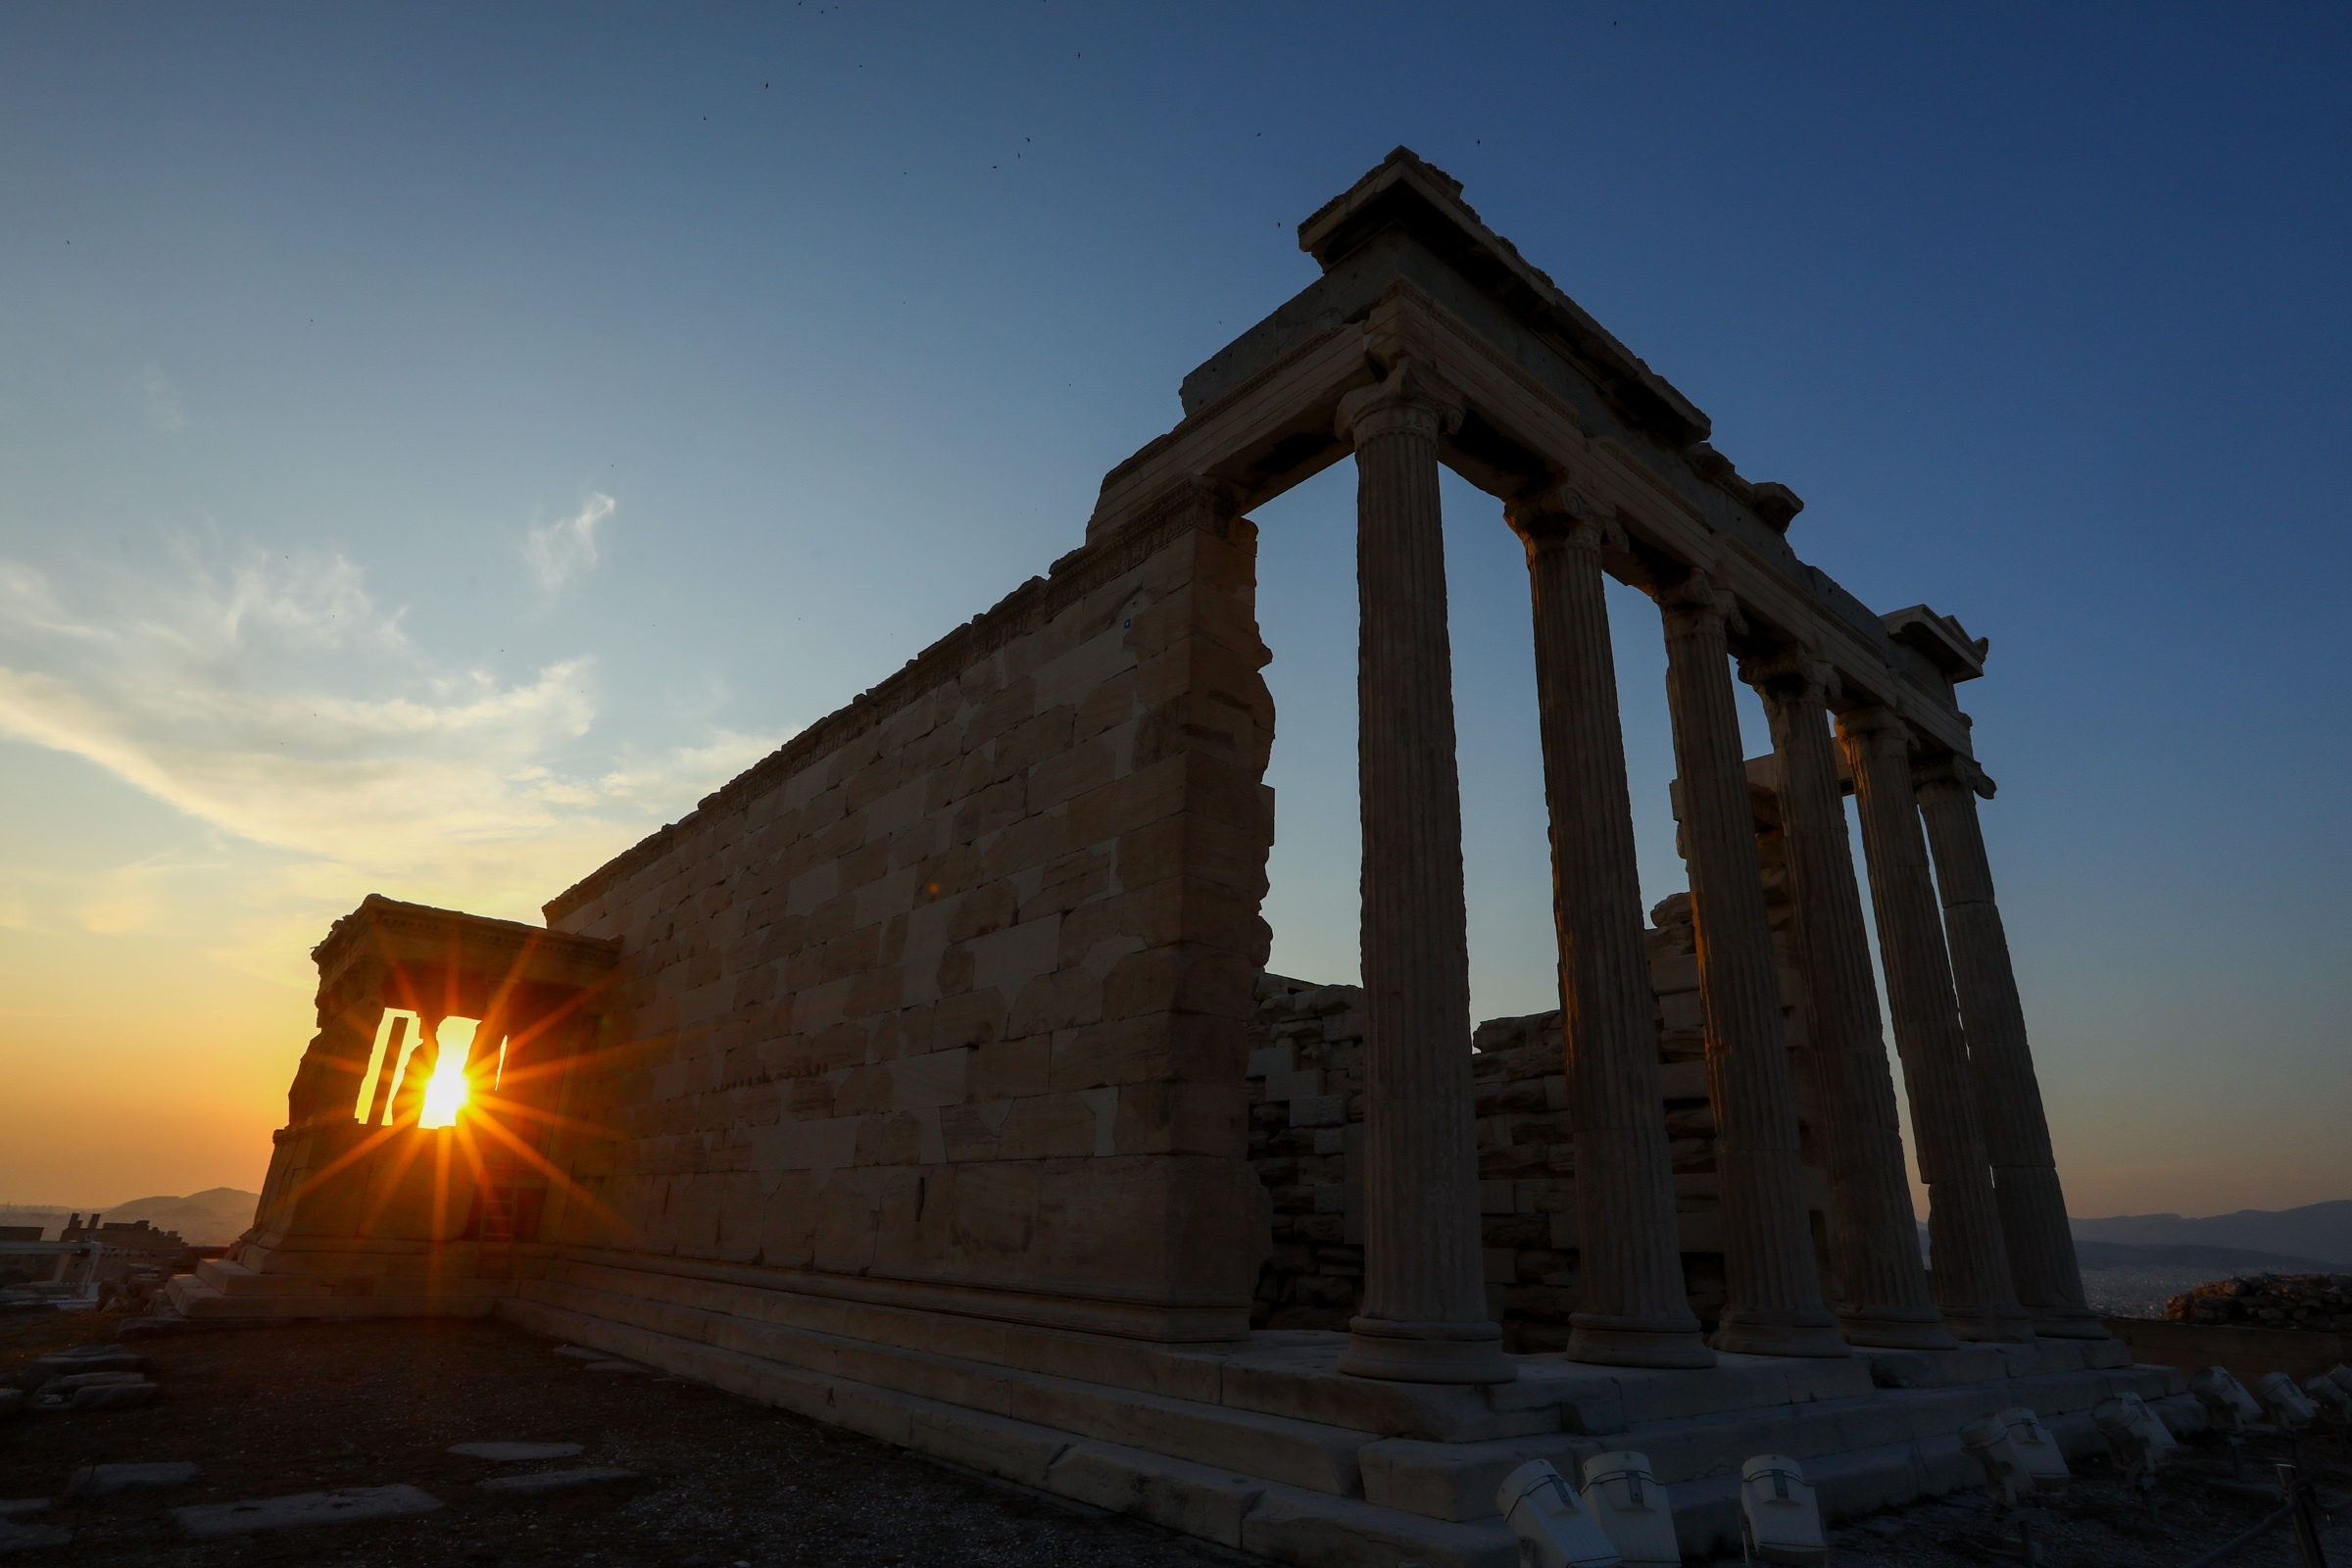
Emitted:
pixel 1306 1135
pixel 952 991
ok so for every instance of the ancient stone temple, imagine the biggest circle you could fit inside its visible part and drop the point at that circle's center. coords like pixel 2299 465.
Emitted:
pixel 927 1079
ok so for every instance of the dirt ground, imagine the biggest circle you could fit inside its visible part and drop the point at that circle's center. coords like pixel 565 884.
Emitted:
pixel 726 1482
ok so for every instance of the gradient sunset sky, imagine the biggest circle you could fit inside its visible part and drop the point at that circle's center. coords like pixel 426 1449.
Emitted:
pixel 438 444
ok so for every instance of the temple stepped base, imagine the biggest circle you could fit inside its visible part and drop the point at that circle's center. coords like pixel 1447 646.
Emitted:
pixel 1265 1448
pixel 223 1290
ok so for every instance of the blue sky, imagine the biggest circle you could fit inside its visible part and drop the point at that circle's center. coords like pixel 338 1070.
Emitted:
pixel 438 444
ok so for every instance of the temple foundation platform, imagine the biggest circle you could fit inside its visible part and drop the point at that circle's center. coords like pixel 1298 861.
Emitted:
pixel 1265 1446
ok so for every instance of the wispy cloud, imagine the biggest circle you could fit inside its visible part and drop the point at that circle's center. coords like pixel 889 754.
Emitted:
pixel 273 699
pixel 560 552
pixel 165 405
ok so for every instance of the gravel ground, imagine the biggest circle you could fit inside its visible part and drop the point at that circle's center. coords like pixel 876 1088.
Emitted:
pixel 278 1410
pixel 727 1482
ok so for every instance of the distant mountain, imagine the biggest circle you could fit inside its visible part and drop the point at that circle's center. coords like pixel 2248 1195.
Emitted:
pixel 2320 1231
pixel 2208 1262
pixel 212 1217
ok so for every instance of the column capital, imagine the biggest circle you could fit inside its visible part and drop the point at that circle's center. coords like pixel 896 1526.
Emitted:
pixel 1793 670
pixel 1952 772
pixel 1696 598
pixel 1875 725
pixel 1410 400
pixel 1560 515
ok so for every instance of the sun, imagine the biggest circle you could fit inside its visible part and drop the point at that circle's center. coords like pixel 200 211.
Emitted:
pixel 447 1092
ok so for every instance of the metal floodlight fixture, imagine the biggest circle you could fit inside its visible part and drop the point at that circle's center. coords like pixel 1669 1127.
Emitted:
pixel 1632 1509
pixel 1987 1438
pixel 2225 1400
pixel 2039 1447
pixel 1553 1529
pixel 2136 1436
pixel 2291 1409
pixel 1780 1519
pixel 2341 1376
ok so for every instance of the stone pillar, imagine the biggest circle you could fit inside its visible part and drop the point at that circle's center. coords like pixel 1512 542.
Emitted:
pixel 1970 1273
pixel 389 1072
pixel 407 1100
pixel 1424 1316
pixel 1770 1275
pixel 2017 1132
pixel 1633 1307
pixel 326 1082
pixel 1874 1241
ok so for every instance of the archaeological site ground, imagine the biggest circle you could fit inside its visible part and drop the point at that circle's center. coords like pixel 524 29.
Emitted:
pixel 928 1079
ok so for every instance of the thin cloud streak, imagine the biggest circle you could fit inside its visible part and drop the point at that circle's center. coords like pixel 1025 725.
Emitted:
pixel 560 552
pixel 275 701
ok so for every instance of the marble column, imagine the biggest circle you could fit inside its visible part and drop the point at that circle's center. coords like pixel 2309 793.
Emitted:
pixel 1634 1308
pixel 1424 1316
pixel 1970 1273
pixel 1874 1242
pixel 388 1073
pixel 2017 1132
pixel 408 1099
pixel 328 1079
pixel 1772 1278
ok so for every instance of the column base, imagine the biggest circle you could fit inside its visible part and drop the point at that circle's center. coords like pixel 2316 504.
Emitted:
pixel 1636 1341
pixel 1426 1353
pixel 2068 1323
pixel 1780 1333
pixel 1898 1329
pixel 1989 1326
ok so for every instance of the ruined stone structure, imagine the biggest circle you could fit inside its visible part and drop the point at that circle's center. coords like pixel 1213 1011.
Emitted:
pixel 911 1081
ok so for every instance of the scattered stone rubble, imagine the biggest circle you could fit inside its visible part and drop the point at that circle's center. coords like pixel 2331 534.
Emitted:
pixel 2268 1301
pixel 95 1377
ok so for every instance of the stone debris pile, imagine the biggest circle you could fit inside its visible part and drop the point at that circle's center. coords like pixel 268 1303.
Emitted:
pixel 2321 1301
pixel 94 1377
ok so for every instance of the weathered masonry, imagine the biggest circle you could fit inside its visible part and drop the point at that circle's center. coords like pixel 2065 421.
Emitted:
pixel 911 1081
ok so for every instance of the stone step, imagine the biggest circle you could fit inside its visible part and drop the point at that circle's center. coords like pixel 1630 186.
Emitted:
pixel 1215 1502
pixel 1283 1374
pixel 1980 1363
pixel 235 1279
pixel 1597 1399
pixel 1302 1454
pixel 1458 1481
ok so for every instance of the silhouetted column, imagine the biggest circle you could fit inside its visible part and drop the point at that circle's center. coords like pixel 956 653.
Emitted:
pixel 1970 1273
pixel 2017 1131
pixel 1874 1240
pixel 1771 1278
pixel 1633 1307
pixel 326 1082
pixel 407 1100
pixel 388 1073
pixel 1424 1316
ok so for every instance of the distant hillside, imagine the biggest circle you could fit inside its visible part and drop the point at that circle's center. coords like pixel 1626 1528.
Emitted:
pixel 2318 1231
pixel 214 1217
pixel 2208 1262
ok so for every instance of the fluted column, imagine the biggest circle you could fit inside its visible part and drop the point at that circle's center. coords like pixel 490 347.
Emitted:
pixel 1771 1279
pixel 1633 1307
pixel 1970 1273
pixel 1424 1316
pixel 1874 1241
pixel 2017 1131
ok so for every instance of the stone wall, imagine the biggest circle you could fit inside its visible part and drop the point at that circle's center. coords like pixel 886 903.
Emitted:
pixel 1306 1111
pixel 951 992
